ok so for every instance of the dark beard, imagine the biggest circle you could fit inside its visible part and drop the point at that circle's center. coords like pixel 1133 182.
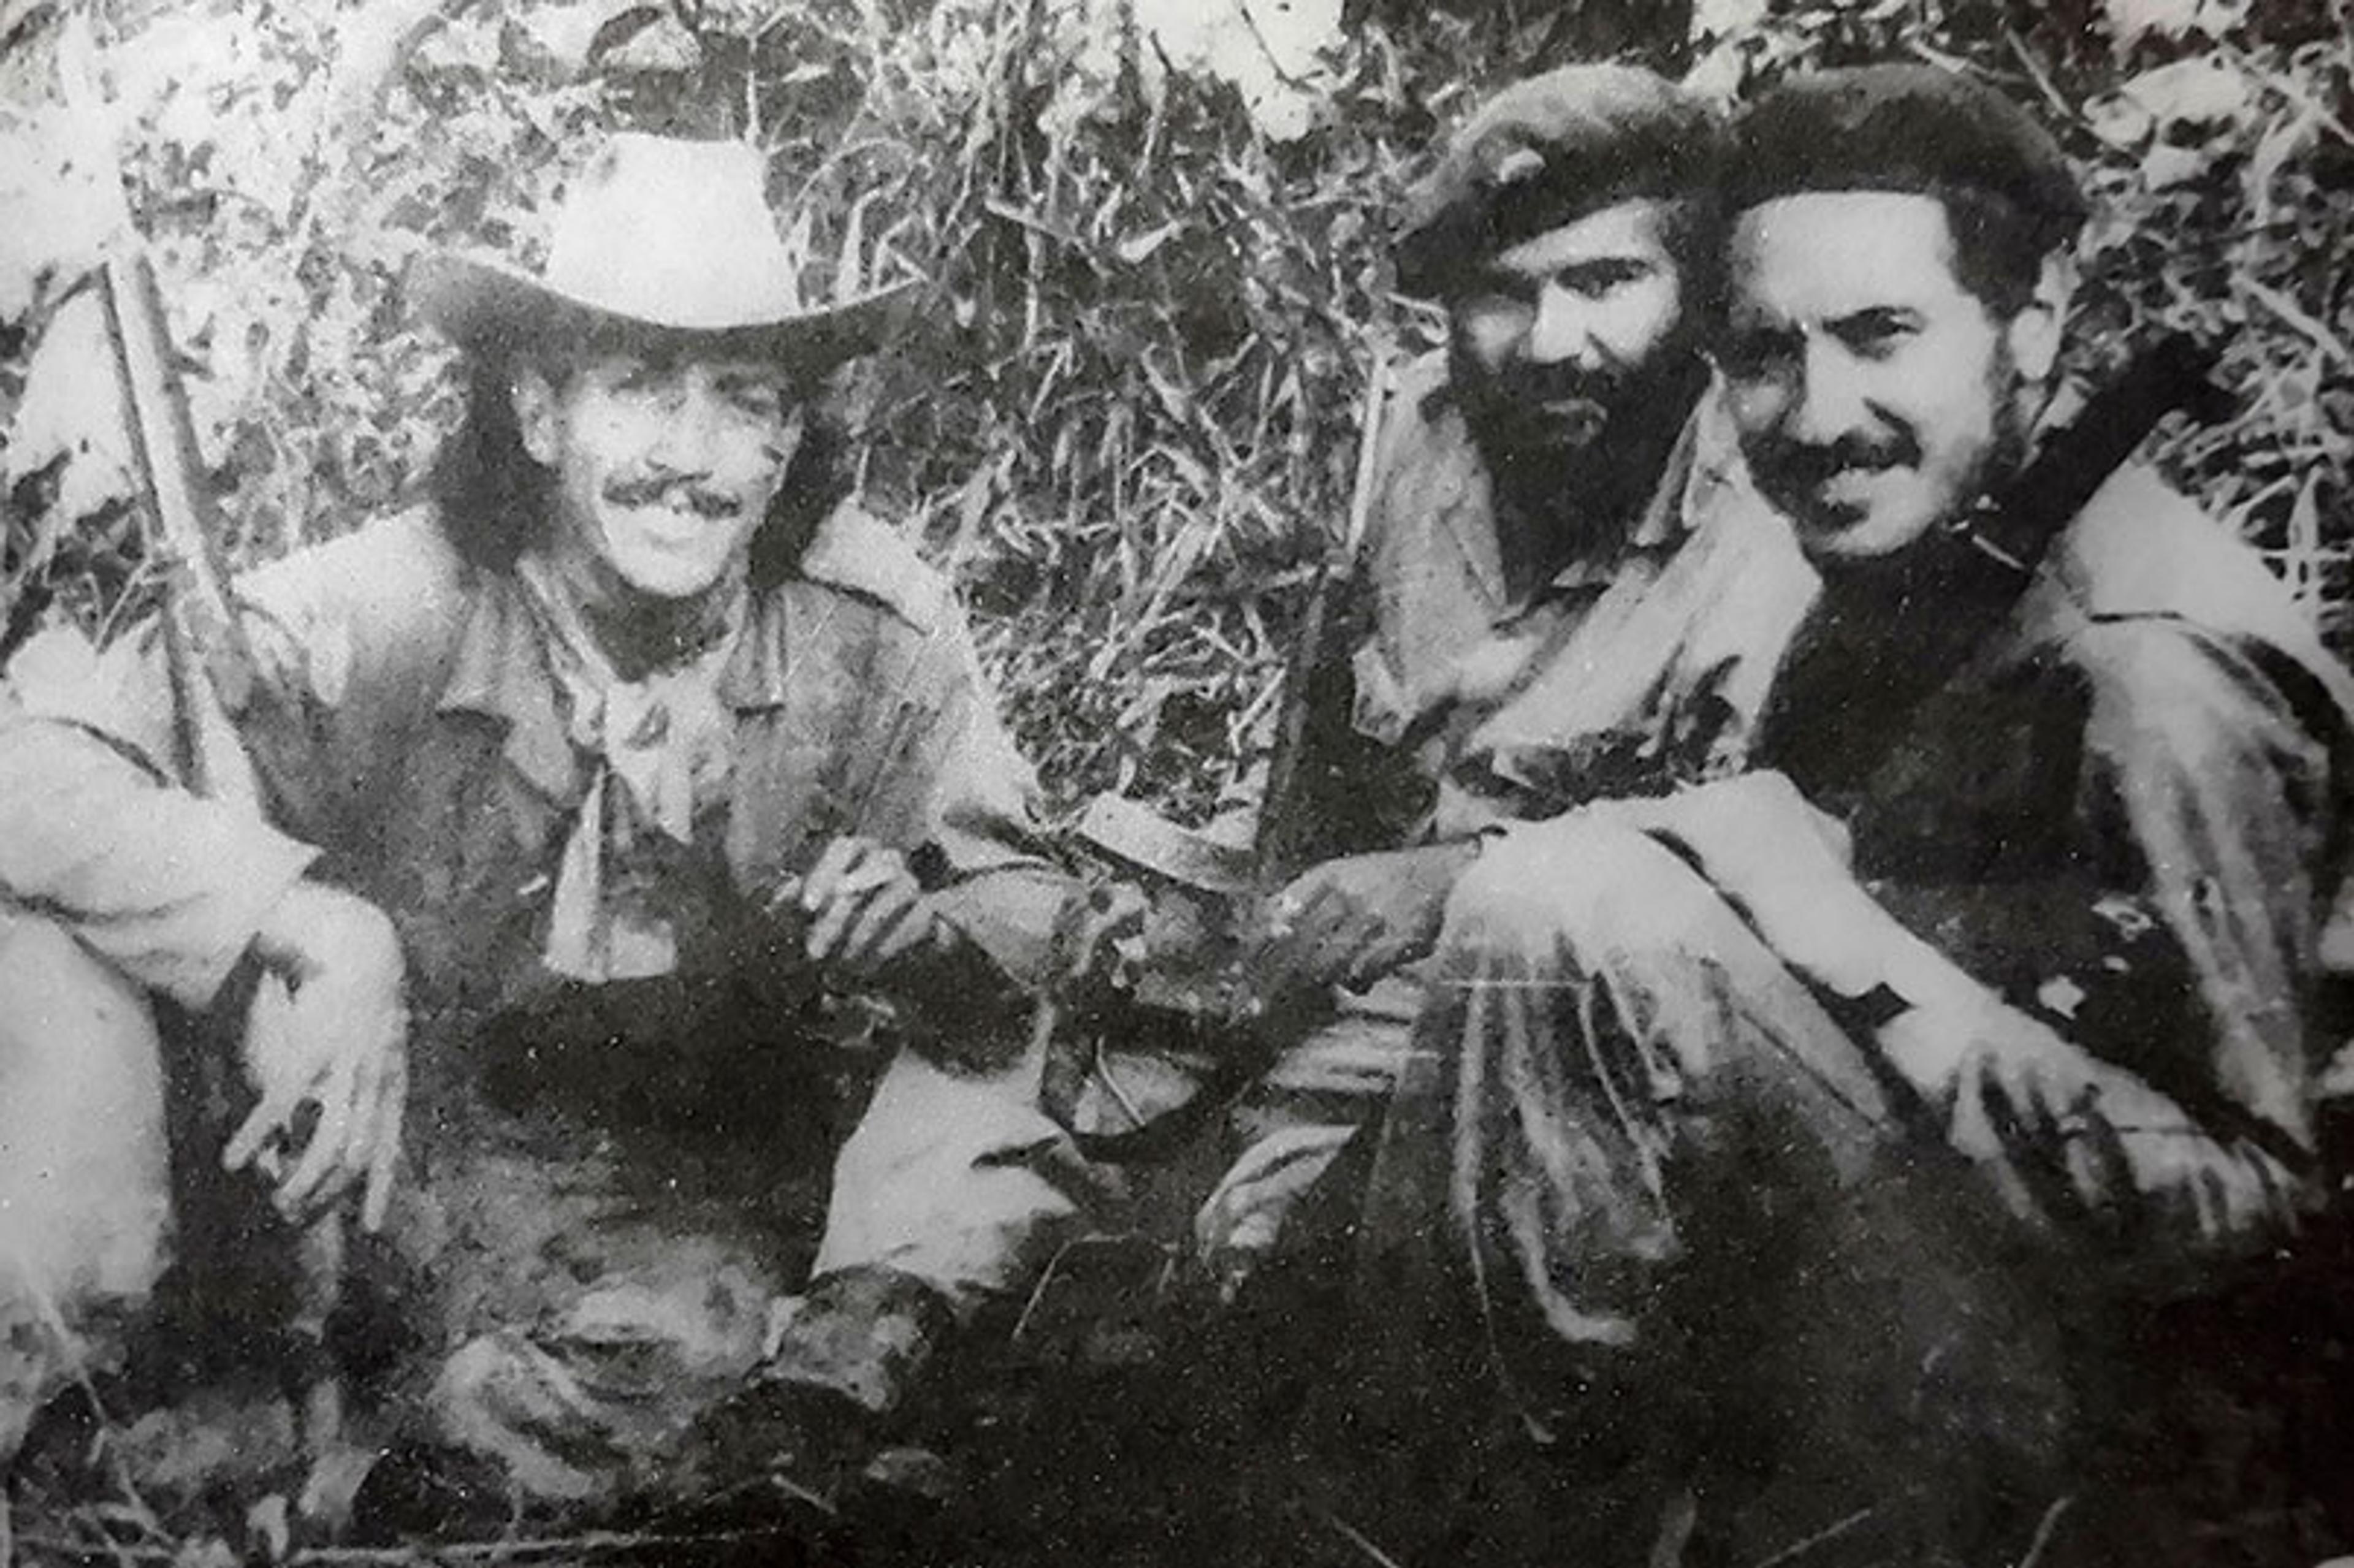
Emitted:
pixel 1577 485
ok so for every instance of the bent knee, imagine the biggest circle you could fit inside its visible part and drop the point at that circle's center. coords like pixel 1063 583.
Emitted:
pixel 61 995
pixel 83 1162
pixel 1582 883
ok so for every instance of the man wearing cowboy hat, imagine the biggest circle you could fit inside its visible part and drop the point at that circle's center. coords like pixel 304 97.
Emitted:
pixel 568 787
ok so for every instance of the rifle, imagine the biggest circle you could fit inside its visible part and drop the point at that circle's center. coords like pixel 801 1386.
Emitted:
pixel 1839 704
pixel 210 670
pixel 1284 826
pixel 207 657
pixel 1216 877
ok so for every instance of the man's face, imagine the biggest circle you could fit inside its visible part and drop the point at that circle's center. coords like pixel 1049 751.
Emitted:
pixel 664 463
pixel 1562 333
pixel 1875 396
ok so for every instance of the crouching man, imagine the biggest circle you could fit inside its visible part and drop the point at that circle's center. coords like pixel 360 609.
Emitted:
pixel 569 786
pixel 1800 1133
pixel 1559 544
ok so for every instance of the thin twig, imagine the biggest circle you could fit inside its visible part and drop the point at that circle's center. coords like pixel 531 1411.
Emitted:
pixel 1266 47
pixel 1356 1538
pixel 2038 75
pixel 2291 89
pixel 2297 316
pixel 2045 1528
pixel 1822 1537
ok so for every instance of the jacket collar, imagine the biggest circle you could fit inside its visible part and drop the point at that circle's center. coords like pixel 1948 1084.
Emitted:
pixel 501 672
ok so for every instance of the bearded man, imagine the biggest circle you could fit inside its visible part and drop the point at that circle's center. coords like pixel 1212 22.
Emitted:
pixel 1556 527
pixel 1783 1132
pixel 580 794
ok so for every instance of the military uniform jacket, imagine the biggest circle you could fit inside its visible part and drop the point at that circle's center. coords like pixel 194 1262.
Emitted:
pixel 1639 664
pixel 408 742
pixel 2125 813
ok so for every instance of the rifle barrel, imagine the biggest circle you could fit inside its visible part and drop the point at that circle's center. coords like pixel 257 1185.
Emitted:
pixel 206 645
pixel 1275 839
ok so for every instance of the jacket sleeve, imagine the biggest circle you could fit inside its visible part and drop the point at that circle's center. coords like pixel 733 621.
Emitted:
pixel 997 885
pixel 97 833
pixel 2175 932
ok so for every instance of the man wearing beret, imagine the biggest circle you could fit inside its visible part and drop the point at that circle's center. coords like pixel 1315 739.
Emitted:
pixel 1781 1130
pixel 578 798
pixel 1554 532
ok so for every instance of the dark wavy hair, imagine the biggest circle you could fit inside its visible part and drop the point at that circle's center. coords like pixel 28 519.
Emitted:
pixel 496 500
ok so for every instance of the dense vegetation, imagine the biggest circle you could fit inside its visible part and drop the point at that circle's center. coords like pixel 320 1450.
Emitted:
pixel 1156 250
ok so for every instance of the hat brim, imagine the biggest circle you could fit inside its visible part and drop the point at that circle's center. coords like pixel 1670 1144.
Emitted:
pixel 490 307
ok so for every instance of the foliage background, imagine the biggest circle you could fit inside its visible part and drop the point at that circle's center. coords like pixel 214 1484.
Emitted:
pixel 1155 238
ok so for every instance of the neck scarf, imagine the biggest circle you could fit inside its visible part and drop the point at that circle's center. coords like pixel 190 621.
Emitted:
pixel 661 747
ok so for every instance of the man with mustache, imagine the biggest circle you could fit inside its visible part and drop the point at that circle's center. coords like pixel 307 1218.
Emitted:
pixel 584 798
pixel 1554 535
pixel 1782 1132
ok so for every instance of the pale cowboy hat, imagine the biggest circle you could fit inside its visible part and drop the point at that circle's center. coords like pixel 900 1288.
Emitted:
pixel 663 235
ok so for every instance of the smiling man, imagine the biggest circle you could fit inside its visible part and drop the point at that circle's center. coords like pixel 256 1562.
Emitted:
pixel 1555 532
pixel 584 796
pixel 1793 1122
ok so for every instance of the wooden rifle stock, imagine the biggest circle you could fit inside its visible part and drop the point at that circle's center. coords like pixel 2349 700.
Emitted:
pixel 1284 824
pixel 209 659
pixel 2173 375
pixel 210 668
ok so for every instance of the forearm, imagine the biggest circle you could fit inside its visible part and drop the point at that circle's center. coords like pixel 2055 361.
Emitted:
pixel 169 887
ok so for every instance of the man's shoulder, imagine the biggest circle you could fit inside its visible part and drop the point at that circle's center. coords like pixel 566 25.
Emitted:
pixel 2143 566
pixel 2141 547
pixel 382 607
pixel 400 566
pixel 1422 426
pixel 854 552
pixel 1429 479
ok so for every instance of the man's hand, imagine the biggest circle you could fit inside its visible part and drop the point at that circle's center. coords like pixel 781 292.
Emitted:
pixel 866 909
pixel 1349 921
pixel 326 1048
pixel 1099 938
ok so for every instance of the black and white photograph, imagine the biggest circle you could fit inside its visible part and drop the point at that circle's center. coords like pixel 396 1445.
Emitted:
pixel 1177 783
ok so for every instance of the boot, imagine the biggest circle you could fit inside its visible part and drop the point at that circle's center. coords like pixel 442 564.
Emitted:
pixel 843 1359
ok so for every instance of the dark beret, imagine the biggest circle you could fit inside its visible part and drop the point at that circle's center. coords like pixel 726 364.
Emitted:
pixel 1912 128
pixel 1545 152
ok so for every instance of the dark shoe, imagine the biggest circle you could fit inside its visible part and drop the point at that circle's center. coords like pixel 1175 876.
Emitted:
pixel 867 1335
pixel 843 1361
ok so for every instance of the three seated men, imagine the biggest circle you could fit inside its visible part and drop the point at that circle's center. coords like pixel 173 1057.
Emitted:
pixel 1746 1040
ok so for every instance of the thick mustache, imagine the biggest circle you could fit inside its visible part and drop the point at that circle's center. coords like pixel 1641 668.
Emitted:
pixel 1537 390
pixel 686 494
pixel 1808 466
